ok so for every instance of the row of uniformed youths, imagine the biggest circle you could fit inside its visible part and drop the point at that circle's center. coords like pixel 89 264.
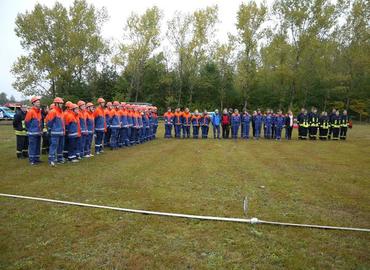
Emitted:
pixel 273 124
pixel 71 131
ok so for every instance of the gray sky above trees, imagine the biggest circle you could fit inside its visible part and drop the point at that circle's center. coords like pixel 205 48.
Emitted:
pixel 118 12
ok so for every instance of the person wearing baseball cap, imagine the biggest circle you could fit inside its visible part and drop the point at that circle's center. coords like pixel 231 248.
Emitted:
pixel 33 122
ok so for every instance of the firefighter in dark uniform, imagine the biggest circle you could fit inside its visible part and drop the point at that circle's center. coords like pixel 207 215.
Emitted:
pixel 344 122
pixel 331 116
pixel 304 125
pixel 324 125
pixel 21 132
pixel 299 121
pixel 335 125
pixel 313 121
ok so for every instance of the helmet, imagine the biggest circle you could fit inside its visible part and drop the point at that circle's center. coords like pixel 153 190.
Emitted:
pixel 80 103
pixel 58 100
pixel 34 99
pixel 116 103
pixel 101 100
pixel 89 104
pixel 73 106
pixel 109 103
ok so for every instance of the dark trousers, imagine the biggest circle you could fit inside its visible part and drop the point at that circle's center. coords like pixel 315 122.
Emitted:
pixel 195 132
pixel 45 143
pixel 88 144
pixel 56 148
pixel 65 147
pixel 234 131
pixel 335 133
pixel 343 133
pixel 302 133
pixel 34 148
pixel 246 130
pixel 216 132
pixel 268 132
pixel 257 130
pixel 288 132
pixel 168 130
pixel 177 131
pixel 278 131
pixel 22 146
pixel 323 133
pixel 225 131
pixel 313 133
pixel 186 131
pixel 99 140
pixel 82 145
pixel 107 137
pixel 113 138
pixel 205 130
pixel 72 148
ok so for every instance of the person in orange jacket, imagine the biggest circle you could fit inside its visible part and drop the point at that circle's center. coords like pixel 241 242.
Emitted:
pixel 33 122
pixel 186 123
pixel 177 122
pixel 56 128
pixel 99 125
pixel 115 125
pixel 90 128
pixel 73 132
pixel 82 118
pixel 195 120
pixel 107 132
pixel 168 122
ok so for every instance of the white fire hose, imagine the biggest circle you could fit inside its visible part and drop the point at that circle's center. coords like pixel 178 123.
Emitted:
pixel 253 220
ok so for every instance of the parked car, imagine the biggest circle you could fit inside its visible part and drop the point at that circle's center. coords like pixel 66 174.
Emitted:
pixel 6 113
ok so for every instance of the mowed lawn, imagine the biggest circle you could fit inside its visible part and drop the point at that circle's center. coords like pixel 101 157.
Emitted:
pixel 317 182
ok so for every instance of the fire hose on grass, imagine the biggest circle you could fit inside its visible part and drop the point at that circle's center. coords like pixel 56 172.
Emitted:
pixel 253 220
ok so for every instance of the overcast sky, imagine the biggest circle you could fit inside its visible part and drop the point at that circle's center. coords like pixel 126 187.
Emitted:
pixel 118 11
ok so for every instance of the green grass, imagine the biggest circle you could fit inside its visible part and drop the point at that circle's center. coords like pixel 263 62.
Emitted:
pixel 305 182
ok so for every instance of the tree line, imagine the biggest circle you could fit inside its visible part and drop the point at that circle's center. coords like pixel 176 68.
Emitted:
pixel 296 53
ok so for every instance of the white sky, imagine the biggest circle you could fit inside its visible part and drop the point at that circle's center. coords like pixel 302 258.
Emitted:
pixel 118 11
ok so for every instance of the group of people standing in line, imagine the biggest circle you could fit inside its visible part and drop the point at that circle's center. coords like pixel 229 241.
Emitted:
pixel 68 132
pixel 333 126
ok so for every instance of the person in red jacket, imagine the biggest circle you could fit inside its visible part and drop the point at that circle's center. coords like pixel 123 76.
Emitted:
pixel 56 128
pixel 186 123
pixel 225 123
pixel 33 122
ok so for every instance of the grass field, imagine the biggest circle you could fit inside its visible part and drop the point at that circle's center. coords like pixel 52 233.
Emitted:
pixel 305 182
